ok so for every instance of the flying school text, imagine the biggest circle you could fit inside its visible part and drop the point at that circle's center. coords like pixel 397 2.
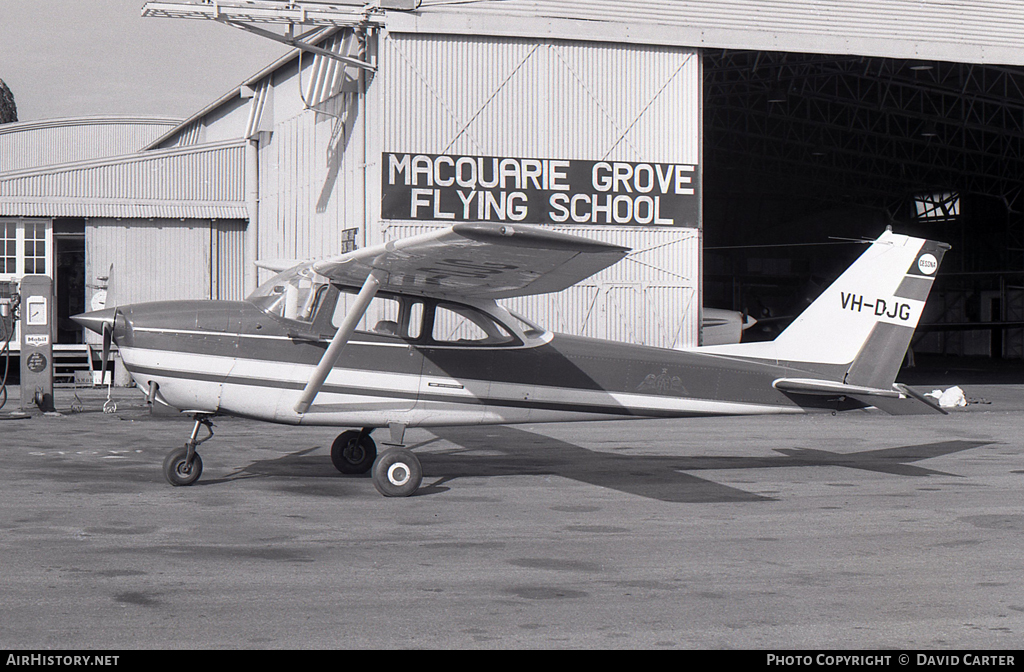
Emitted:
pixel 441 187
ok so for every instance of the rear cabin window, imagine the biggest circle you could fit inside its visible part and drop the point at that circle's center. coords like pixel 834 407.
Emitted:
pixel 461 325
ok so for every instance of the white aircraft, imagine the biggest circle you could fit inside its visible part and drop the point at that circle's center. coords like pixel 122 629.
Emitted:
pixel 719 326
pixel 409 334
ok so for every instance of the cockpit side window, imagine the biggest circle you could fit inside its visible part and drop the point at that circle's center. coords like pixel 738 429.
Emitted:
pixel 400 317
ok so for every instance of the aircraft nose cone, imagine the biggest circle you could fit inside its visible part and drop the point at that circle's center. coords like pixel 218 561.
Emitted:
pixel 95 320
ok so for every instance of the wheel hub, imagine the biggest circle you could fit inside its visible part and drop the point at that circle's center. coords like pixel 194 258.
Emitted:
pixel 354 453
pixel 399 474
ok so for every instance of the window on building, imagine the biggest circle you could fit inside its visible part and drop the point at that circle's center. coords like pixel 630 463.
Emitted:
pixel 35 247
pixel 938 207
pixel 9 248
pixel 24 247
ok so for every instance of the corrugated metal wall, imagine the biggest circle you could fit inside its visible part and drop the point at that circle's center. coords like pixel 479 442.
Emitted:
pixel 311 183
pixel 648 298
pixel 162 183
pixel 162 259
pixel 228 258
pixel 569 100
pixel 312 165
pixel 563 100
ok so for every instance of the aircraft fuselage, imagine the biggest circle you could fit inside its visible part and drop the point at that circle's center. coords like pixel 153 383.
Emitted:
pixel 233 358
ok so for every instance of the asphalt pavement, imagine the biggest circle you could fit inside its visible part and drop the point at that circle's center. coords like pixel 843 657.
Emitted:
pixel 860 530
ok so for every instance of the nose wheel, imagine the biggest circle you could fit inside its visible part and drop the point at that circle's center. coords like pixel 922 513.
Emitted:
pixel 183 466
pixel 179 471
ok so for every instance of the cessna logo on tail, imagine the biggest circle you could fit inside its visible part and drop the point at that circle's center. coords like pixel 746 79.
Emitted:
pixel 927 263
pixel 896 310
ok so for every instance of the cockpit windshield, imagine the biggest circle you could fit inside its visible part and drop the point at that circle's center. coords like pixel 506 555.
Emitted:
pixel 294 294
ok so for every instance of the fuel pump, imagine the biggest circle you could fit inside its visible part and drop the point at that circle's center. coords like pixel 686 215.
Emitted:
pixel 37 312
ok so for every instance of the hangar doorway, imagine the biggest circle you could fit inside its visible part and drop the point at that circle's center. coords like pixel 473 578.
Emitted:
pixel 69 278
pixel 806 153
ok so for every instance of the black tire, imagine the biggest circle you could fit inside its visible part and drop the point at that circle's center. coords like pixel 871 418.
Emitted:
pixel 397 473
pixel 177 472
pixel 352 455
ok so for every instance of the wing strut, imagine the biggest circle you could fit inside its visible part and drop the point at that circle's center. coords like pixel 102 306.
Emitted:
pixel 345 329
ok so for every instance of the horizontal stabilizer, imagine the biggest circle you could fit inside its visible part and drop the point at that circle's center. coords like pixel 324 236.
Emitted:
pixel 827 388
pixel 917 401
pixel 900 400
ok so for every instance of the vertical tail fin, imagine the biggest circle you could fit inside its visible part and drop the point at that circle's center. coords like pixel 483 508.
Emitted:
pixel 860 327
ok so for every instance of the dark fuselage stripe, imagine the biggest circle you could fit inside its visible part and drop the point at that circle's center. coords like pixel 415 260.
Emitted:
pixel 606 409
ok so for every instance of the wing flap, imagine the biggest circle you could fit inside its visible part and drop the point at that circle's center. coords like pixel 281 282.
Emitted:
pixel 480 260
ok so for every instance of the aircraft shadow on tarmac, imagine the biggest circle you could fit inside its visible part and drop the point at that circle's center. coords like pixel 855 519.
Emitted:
pixel 507 451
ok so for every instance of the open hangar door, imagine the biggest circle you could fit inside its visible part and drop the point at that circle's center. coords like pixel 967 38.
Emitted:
pixel 802 151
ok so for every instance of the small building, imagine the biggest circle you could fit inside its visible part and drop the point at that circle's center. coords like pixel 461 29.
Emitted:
pixel 48 196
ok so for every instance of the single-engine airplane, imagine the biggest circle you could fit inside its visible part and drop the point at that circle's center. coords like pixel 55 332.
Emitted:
pixel 719 326
pixel 409 334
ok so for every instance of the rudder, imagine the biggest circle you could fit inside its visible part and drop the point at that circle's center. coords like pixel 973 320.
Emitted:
pixel 879 359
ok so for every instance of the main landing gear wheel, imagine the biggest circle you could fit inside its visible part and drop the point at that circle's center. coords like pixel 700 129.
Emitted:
pixel 353 452
pixel 397 473
pixel 177 469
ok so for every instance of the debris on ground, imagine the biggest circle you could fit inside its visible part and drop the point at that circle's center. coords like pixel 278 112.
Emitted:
pixel 952 398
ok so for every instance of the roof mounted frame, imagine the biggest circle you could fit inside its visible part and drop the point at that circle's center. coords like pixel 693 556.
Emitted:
pixel 249 15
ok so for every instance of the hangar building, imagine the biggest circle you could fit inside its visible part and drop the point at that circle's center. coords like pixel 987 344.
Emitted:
pixel 738 151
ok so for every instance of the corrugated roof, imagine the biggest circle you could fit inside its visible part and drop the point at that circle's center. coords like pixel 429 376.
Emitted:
pixel 973 31
pixel 95 120
pixel 108 209
pixel 30 144
pixel 201 181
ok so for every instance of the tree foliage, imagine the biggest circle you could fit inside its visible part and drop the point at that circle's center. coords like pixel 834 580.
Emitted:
pixel 8 110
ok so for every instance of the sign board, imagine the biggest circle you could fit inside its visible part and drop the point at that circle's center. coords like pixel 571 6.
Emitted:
pixel 449 188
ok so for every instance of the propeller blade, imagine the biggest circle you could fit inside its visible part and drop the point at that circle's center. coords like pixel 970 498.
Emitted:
pixel 108 333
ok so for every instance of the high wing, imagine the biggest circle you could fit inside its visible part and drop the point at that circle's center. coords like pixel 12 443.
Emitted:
pixel 471 261
pixel 476 261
